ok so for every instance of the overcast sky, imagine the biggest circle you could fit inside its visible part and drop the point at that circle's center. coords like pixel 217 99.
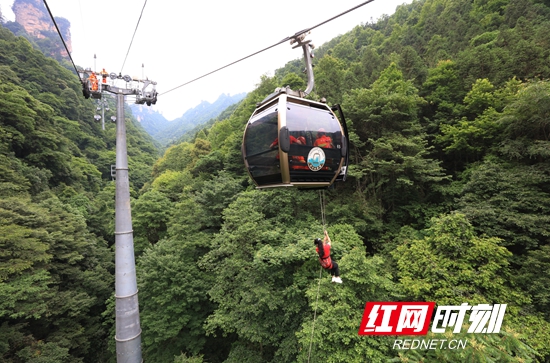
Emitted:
pixel 178 41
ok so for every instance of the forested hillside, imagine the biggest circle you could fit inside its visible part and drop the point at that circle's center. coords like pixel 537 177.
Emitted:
pixel 447 200
pixel 56 210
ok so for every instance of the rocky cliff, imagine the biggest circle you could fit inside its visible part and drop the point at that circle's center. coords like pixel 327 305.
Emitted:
pixel 33 16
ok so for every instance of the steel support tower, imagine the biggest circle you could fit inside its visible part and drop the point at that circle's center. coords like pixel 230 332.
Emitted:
pixel 128 328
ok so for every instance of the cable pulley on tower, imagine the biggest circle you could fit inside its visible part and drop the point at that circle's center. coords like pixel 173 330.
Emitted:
pixel 93 85
pixel 147 96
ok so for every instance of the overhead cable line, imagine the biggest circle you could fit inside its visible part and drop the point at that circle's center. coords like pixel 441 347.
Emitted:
pixel 329 20
pixel 61 36
pixel 82 22
pixel 135 30
pixel 272 46
pixel 227 65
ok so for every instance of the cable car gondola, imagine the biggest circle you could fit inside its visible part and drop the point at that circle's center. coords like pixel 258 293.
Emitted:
pixel 290 141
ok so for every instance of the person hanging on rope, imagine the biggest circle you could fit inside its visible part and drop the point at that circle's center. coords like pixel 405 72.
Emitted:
pixel 323 250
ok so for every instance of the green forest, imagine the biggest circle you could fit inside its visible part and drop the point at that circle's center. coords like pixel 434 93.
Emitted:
pixel 447 200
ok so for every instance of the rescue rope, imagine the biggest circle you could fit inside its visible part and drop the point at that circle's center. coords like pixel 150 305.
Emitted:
pixel 314 315
pixel 323 221
pixel 322 201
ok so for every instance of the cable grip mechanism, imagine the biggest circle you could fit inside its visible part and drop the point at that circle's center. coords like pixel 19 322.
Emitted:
pixel 306 47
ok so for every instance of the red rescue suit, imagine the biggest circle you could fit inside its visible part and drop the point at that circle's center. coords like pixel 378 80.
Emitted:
pixel 326 261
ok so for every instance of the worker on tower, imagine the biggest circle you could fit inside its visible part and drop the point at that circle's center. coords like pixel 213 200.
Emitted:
pixel 104 75
pixel 93 82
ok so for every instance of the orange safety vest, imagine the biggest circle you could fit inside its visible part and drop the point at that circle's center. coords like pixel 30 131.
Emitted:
pixel 104 76
pixel 93 81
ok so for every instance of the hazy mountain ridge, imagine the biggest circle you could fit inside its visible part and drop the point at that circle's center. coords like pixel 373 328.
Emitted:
pixel 166 132
pixel 152 121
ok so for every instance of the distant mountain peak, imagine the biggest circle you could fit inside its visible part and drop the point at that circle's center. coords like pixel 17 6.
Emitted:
pixel 33 16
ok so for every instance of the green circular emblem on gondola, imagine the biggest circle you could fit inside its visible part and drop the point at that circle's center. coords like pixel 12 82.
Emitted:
pixel 316 159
